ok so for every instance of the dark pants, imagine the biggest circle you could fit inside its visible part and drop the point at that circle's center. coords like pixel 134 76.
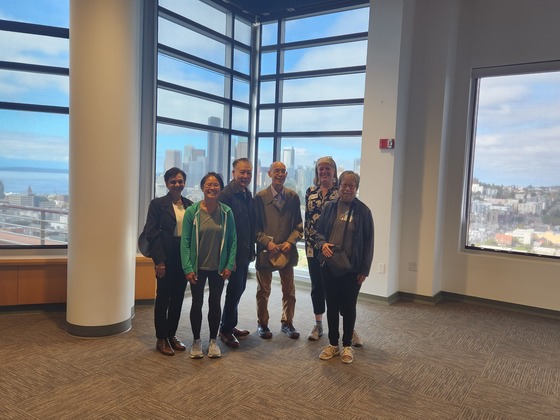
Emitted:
pixel 170 294
pixel 342 296
pixel 235 288
pixel 215 286
pixel 317 288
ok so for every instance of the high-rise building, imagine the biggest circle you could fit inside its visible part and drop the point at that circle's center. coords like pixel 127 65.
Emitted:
pixel 357 164
pixel 195 171
pixel 288 159
pixel 172 159
pixel 241 149
pixel 2 194
pixel 217 149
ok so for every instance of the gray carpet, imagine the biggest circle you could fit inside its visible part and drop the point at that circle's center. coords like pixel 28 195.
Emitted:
pixel 450 361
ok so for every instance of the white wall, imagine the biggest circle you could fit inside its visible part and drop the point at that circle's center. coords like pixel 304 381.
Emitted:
pixel 496 32
pixel 449 38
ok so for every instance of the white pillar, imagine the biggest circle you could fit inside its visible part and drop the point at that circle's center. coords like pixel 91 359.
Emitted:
pixel 105 52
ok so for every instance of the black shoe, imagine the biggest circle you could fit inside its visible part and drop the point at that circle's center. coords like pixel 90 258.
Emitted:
pixel 289 330
pixel 229 340
pixel 264 331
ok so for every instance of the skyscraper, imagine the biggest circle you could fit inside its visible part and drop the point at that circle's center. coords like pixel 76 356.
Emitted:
pixel 241 148
pixel 288 159
pixel 217 149
pixel 172 159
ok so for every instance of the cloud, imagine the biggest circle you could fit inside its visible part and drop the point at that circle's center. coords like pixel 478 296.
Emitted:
pixel 25 146
pixel 518 130
pixel 34 49
pixel 183 39
pixel 328 56
pixel 15 86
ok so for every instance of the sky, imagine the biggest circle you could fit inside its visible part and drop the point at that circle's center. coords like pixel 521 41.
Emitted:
pixel 518 130
pixel 518 127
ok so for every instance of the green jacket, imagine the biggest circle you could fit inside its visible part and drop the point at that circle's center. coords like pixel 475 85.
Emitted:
pixel 189 239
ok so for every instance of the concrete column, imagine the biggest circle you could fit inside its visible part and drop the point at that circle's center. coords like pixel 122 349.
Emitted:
pixel 385 110
pixel 105 52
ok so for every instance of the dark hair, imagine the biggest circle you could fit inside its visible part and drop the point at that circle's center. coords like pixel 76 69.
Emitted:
pixel 170 173
pixel 243 159
pixel 349 173
pixel 329 160
pixel 208 175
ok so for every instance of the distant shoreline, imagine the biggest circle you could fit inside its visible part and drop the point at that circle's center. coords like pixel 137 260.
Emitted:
pixel 26 169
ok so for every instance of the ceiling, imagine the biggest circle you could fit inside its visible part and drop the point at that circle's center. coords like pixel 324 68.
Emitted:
pixel 263 10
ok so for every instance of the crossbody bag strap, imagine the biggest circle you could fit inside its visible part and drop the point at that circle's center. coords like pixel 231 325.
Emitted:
pixel 347 220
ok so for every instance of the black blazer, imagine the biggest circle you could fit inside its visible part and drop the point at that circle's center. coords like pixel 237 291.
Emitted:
pixel 160 226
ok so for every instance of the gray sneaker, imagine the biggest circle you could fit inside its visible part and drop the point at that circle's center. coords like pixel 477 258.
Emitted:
pixel 196 350
pixel 316 333
pixel 356 340
pixel 214 351
pixel 289 330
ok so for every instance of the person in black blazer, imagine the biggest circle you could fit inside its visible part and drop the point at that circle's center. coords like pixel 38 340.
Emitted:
pixel 163 231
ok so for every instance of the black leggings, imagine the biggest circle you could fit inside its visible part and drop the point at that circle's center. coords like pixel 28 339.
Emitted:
pixel 215 286
pixel 342 296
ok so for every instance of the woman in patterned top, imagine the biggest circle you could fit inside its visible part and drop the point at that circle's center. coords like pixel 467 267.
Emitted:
pixel 323 190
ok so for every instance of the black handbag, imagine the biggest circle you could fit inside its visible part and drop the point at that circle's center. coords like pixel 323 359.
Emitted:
pixel 339 263
pixel 144 244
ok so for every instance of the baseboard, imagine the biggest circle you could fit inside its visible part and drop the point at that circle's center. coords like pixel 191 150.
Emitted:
pixel 426 300
pixel 40 307
pixel 513 307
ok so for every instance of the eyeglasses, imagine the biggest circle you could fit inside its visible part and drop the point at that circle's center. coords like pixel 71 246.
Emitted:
pixel 177 182
pixel 212 185
pixel 349 186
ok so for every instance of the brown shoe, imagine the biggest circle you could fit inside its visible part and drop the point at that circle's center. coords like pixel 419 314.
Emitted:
pixel 229 340
pixel 241 333
pixel 164 347
pixel 176 344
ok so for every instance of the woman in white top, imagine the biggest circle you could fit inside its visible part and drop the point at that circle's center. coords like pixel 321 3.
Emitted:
pixel 163 231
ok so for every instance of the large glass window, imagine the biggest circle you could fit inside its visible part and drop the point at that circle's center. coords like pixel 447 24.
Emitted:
pixel 203 97
pixel 34 123
pixel 312 82
pixel 312 105
pixel 514 185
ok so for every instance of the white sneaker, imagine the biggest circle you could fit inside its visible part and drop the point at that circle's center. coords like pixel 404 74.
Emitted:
pixel 356 340
pixel 214 350
pixel 329 352
pixel 347 355
pixel 196 350
pixel 316 333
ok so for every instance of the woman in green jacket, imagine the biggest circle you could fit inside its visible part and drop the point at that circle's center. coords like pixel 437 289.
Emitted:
pixel 208 248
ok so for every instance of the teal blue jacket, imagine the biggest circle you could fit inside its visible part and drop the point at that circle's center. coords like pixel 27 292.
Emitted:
pixel 189 239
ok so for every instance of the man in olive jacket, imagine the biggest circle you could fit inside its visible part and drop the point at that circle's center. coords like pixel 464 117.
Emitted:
pixel 279 228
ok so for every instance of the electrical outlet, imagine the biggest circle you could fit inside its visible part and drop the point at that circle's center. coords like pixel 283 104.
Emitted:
pixel 412 266
pixel 381 268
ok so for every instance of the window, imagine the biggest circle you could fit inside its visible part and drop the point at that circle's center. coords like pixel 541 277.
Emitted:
pixel 204 91
pixel 513 201
pixel 312 105
pixel 34 123
pixel 311 96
